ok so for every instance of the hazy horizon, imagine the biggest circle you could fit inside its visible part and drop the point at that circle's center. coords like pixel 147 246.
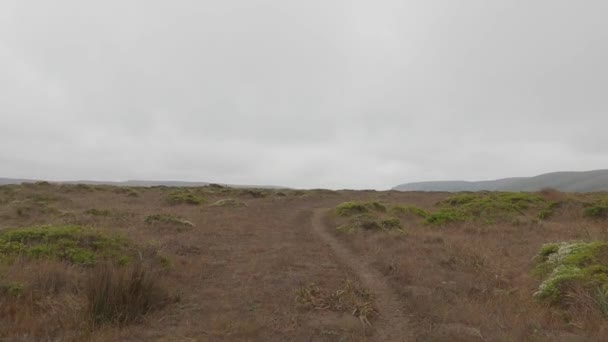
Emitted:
pixel 317 94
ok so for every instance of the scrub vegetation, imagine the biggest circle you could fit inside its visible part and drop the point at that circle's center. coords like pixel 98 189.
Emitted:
pixel 103 263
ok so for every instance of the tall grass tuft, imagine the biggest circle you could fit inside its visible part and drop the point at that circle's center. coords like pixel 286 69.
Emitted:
pixel 122 295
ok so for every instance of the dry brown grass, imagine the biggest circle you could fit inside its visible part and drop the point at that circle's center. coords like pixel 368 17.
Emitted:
pixel 349 298
pixel 479 276
pixel 237 269
pixel 122 295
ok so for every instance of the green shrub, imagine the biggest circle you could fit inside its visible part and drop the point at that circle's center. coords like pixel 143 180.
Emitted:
pixel 391 223
pixel 545 214
pixel 461 199
pixel 445 216
pixel 12 289
pixel 571 264
pixel 74 244
pixel 401 210
pixel 183 196
pixel 487 208
pixel 353 208
pixel 596 211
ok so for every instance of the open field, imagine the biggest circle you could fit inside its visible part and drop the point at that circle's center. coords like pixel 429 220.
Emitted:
pixel 103 263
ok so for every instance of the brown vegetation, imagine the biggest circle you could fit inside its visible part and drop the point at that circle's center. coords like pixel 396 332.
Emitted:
pixel 81 262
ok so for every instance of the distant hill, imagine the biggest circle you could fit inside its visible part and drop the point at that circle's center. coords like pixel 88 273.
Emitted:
pixel 585 181
pixel 5 181
pixel 144 183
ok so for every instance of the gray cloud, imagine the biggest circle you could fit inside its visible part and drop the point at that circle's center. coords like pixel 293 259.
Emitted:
pixel 302 93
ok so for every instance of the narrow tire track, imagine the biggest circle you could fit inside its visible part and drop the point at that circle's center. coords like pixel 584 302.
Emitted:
pixel 392 324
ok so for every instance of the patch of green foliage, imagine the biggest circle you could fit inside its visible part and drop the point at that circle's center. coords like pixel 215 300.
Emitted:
pixel 391 223
pixel 168 219
pixel 545 214
pixel 184 196
pixel 596 211
pixel 445 216
pixel 12 289
pixel 353 208
pixel 460 199
pixel 369 222
pixel 571 264
pixel 75 244
pixel 486 207
pixel 405 210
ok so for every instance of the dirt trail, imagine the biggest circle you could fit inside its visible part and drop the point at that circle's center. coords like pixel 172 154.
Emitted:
pixel 392 324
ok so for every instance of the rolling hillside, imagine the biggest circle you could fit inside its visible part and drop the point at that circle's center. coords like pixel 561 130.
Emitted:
pixel 586 181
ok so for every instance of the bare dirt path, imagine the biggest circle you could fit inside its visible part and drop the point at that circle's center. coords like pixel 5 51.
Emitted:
pixel 393 323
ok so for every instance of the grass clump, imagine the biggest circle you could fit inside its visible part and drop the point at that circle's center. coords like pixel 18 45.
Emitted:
pixel 184 196
pixel 391 223
pixel 597 209
pixel 348 298
pixel 487 208
pixel 445 216
pixel 74 244
pixel 353 208
pixel 408 210
pixel 14 290
pixel 568 265
pixel 168 219
pixel 122 295
pixel 369 222
pixel 545 214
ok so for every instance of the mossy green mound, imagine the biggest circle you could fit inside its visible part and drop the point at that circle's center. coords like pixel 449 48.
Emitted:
pixel 75 244
pixel 354 208
pixel 598 209
pixel 486 207
pixel 408 210
pixel 370 222
pixel 184 197
pixel 571 264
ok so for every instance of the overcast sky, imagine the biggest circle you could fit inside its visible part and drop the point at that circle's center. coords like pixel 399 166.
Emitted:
pixel 316 93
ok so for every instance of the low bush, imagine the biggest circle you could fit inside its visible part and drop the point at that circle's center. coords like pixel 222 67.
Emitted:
pixel 184 196
pixel 408 210
pixel 596 211
pixel 75 244
pixel 566 266
pixel 352 208
pixel 485 207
